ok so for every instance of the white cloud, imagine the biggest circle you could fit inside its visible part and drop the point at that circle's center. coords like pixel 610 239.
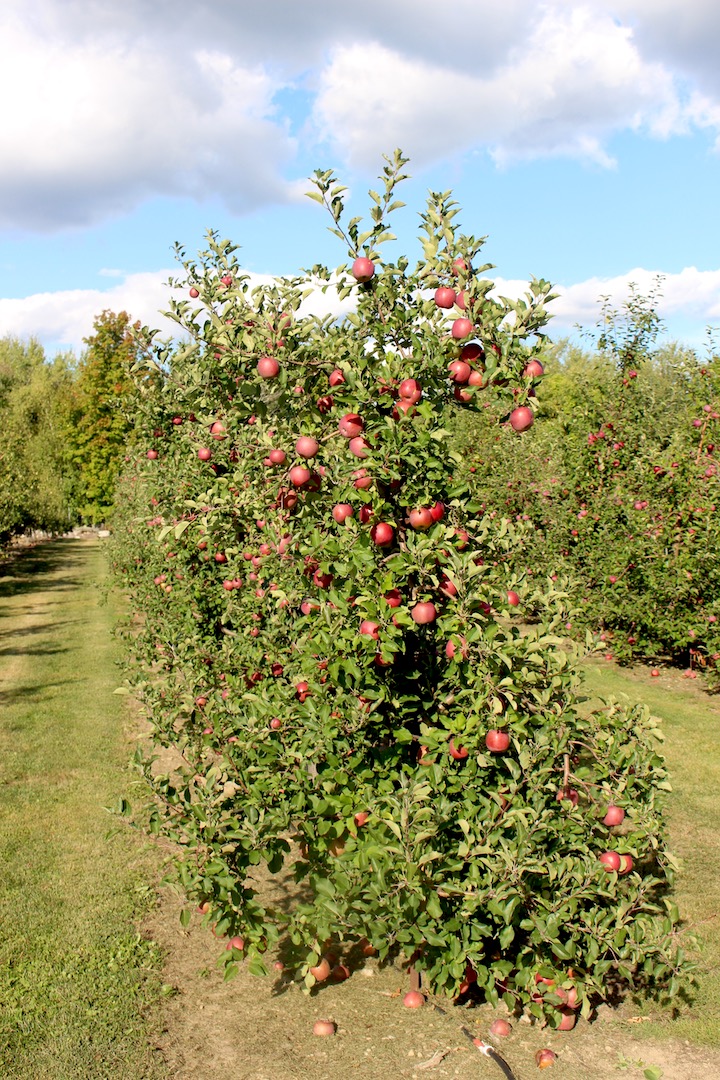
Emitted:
pixel 62 319
pixel 561 89
pixel 116 104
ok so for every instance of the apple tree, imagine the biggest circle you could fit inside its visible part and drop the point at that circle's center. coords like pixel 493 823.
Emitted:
pixel 356 740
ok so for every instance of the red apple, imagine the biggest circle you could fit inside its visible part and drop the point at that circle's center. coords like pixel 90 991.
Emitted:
pixel 306 446
pixel 461 328
pixel 521 418
pixel 410 390
pixel 533 369
pixel 359 447
pixel 457 646
pixel 420 518
pixel 362 479
pixel 423 613
pixel 393 598
pixel 194 293
pixel 341 512
pixel 500 1029
pixel 218 430
pixel 350 425
pixel 497 741
pixel 299 475
pixel 437 511
pixel 361 817
pixel 512 598
pixel 336 377
pixel 363 269
pixel 568 794
pixel 152 455
pixel 268 367
pixel 459 753
pixel 413 1000
pixel 444 296
pixel 321 971
pixel 610 860
pixel 545 1058
pixel 459 371
pixel 368 628
pixel 324 1027
pixel 277 457
pixel 626 864
pixel 204 453
pixel 382 534
pixel 615 816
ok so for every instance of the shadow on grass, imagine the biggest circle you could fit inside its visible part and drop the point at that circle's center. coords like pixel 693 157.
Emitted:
pixel 36 569
pixel 30 693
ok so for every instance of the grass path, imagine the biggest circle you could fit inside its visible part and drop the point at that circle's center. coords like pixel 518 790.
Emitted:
pixel 76 978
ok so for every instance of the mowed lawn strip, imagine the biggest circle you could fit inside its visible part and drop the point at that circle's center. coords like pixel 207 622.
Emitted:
pixel 691 723
pixel 77 981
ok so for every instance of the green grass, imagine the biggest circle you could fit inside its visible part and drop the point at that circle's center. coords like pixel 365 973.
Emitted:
pixel 690 721
pixel 77 980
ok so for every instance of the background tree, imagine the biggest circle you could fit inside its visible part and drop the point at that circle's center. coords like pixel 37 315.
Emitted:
pixel 35 470
pixel 100 426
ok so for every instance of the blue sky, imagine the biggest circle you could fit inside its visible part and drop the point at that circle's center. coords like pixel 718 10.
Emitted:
pixel 582 138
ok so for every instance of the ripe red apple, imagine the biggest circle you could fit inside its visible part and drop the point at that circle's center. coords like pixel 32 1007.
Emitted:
pixel 457 646
pixel 306 446
pixel 368 628
pixel 533 369
pixel 568 1019
pixel 361 817
pixel 382 534
pixel 497 741
pixel 444 296
pixel 654 673
pixel 461 328
pixel 336 377
pixel 545 1058
pixel 626 864
pixel 362 479
pixel 350 425
pixel 420 518
pixel 299 475
pixel 152 454
pixel 359 447
pixel 615 816
pixel 393 598
pixel 459 371
pixel 236 943
pixel 413 1000
pixel 423 613
pixel 512 598
pixel 569 794
pixel 268 367
pixel 321 971
pixel 324 1027
pixel 204 453
pixel 341 512
pixel 437 511
pixel 521 418
pixel 363 269
pixel 218 430
pixel 459 265
pixel 610 860
pixel 500 1029
pixel 194 293
pixel 277 457
pixel 410 390
pixel 459 753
